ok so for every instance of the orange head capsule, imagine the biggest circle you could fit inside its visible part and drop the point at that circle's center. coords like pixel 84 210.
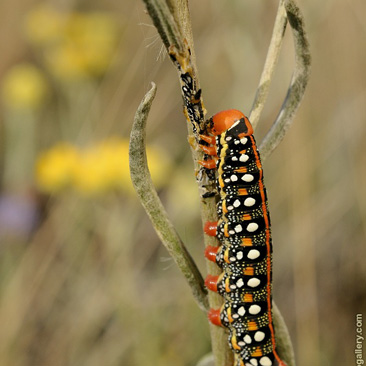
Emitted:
pixel 223 120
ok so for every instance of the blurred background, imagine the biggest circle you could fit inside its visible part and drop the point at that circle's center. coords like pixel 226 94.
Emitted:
pixel 84 279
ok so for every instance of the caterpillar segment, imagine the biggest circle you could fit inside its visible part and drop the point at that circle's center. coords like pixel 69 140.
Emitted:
pixel 245 250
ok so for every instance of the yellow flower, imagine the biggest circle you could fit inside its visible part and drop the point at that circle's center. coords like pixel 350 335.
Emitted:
pixel 75 45
pixel 44 25
pixel 24 87
pixel 114 154
pixel 98 169
pixel 95 35
pixel 104 167
pixel 66 62
pixel 159 165
pixel 55 168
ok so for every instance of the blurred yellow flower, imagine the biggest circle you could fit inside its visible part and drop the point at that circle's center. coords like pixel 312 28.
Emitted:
pixel 100 168
pixel 66 62
pixel 95 35
pixel 44 25
pixel 75 45
pixel 56 167
pixel 159 166
pixel 23 87
pixel 104 167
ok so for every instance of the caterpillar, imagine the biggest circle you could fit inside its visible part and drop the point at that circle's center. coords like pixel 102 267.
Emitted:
pixel 194 111
pixel 244 232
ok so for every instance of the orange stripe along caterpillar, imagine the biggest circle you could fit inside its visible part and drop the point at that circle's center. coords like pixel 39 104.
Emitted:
pixel 243 229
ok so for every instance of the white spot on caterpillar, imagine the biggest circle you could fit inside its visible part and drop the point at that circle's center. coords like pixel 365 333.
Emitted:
pixel 230 208
pixel 232 287
pixel 243 158
pixel 247 339
pixel 250 201
pixel 247 178
pixel 254 309
pixel 234 158
pixel 236 142
pixel 231 232
pixel 252 227
pixel 253 282
pixel 240 282
pixel 265 361
pixel 241 343
pixel 253 254
pixel 241 311
pixel 254 361
pixel 234 178
pixel 259 336
pixel 235 316
pixel 238 228
pixel 228 138
pixel 243 140
pixel 236 203
pixel 227 180
pixel 239 255
pixel 232 259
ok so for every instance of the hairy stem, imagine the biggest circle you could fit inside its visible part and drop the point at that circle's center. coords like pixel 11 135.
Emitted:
pixel 145 189
pixel 298 82
pixel 269 65
pixel 175 13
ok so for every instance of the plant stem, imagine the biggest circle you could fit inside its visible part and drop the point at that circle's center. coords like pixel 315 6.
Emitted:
pixel 273 53
pixel 298 83
pixel 145 189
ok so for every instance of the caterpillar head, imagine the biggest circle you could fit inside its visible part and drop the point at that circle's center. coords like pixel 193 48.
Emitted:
pixel 225 120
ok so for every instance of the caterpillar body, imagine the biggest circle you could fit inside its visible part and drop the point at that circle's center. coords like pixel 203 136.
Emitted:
pixel 245 251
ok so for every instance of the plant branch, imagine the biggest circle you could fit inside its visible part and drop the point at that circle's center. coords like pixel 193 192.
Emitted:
pixel 145 189
pixel 183 56
pixel 172 20
pixel 273 53
pixel 283 340
pixel 298 82
pixel 164 23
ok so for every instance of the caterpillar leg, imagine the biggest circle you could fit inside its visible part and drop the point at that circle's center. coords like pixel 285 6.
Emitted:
pixel 210 228
pixel 211 282
pixel 214 316
pixel 211 252
pixel 209 164
pixel 209 150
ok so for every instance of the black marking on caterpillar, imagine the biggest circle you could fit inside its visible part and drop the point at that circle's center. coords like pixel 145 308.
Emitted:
pixel 194 111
